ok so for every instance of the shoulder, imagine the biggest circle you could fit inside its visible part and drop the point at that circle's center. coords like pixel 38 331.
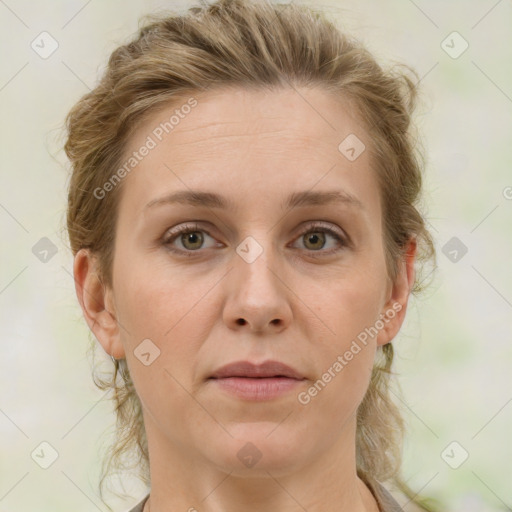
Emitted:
pixel 140 506
pixel 390 499
pixel 404 502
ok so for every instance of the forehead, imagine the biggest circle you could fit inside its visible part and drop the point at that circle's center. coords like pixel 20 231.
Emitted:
pixel 250 143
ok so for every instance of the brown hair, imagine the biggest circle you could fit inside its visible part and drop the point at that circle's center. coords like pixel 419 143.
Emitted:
pixel 249 45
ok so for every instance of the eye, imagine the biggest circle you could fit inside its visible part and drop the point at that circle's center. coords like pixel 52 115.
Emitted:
pixel 315 236
pixel 189 236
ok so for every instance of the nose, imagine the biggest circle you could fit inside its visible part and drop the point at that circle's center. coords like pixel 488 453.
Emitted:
pixel 258 294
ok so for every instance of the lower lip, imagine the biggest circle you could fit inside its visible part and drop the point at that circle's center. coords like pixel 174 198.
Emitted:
pixel 258 389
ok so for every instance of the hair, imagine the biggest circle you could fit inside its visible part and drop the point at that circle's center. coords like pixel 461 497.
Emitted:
pixel 251 45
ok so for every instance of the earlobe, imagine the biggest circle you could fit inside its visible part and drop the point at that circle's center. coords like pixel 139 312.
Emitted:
pixel 393 313
pixel 97 304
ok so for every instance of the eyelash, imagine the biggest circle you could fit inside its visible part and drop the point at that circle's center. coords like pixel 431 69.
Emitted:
pixel 314 227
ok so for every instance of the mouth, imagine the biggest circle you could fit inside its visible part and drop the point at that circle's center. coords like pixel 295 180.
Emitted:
pixel 247 369
pixel 249 381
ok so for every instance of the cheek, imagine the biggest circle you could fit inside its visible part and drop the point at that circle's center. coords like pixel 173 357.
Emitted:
pixel 349 303
pixel 344 359
pixel 344 392
pixel 350 307
pixel 151 299
pixel 164 311
pixel 163 306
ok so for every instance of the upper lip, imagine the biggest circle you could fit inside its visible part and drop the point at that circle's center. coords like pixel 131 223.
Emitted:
pixel 248 369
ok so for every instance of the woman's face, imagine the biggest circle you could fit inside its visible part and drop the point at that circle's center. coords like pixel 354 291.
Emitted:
pixel 254 280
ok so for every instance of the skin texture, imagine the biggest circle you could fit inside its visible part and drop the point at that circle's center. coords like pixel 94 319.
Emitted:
pixel 255 148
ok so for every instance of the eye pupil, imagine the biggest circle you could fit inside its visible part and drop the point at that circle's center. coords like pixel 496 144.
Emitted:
pixel 192 238
pixel 314 238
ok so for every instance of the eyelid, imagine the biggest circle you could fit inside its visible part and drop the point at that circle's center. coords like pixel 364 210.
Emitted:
pixel 325 226
pixel 171 234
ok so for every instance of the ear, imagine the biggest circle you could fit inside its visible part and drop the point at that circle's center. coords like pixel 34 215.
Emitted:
pixel 393 313
pixel 97 303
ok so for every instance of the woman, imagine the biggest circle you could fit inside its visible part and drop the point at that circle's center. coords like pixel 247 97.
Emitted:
pixel 242 212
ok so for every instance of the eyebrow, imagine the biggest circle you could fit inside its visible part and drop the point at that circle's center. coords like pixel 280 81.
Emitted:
pixel 295 200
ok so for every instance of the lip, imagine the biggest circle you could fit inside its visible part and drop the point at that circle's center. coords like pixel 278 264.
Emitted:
pixel 251 370
pixel 256 382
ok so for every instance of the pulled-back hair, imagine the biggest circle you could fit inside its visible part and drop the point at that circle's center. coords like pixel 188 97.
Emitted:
pixel 251 45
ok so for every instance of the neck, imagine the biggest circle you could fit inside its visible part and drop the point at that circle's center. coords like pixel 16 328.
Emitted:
pixel 184 480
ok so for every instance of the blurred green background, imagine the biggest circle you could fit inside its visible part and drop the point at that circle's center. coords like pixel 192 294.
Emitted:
pixel 455 349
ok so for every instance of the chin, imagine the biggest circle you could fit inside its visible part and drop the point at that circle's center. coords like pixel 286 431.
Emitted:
pixel 258 447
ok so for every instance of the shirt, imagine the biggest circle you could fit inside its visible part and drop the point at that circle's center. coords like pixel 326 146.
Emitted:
pixel 385 501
